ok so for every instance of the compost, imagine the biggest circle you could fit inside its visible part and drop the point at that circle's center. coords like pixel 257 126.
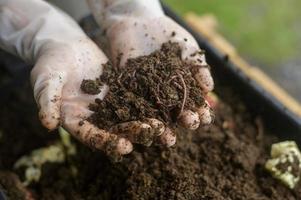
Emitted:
pixel 159 85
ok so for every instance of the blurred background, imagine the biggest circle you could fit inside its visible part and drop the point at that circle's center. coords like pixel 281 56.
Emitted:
pixel 266 33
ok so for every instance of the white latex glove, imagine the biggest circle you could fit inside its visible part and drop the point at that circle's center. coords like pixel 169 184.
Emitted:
pixel 139 27
pixel 62 56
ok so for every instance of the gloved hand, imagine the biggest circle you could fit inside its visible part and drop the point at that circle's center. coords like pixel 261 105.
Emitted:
pixel 62 56
pixel 139 27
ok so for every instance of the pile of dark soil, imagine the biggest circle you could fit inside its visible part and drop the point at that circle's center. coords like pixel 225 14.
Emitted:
pixel 223 161
pixel 159 86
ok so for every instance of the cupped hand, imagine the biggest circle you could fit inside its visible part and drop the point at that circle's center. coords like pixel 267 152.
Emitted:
pixel 56 78
pixel 137 36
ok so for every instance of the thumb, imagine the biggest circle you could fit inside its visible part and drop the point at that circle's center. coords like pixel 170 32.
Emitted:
pixel 48 82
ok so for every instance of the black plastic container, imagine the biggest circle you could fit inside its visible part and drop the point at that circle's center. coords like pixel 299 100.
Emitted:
pixel 2 195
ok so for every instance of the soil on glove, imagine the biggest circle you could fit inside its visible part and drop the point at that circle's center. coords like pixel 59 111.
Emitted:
pixel 220 162
pixel 159 86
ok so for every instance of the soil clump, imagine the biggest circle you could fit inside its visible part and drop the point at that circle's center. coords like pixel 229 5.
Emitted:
pixel 159 86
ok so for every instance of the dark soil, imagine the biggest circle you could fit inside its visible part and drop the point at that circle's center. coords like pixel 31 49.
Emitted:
pixel 91 87
pixel 220 162
pixel 12 186
pixel 159 86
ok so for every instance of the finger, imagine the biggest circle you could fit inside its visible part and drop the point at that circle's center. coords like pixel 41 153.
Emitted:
pixel 48 86
pixel 204 79
pixel 74 121
pixel 136 132
pixel 168 138
pixel 156 124
pixel 212 100
pixel 99 139
pixel 193 54
pixel 140 132
pixel 205 114
pixel 189 119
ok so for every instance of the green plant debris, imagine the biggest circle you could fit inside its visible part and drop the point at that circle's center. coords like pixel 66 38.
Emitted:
pixel 56 153
pixel 66 141
pixel 285 163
